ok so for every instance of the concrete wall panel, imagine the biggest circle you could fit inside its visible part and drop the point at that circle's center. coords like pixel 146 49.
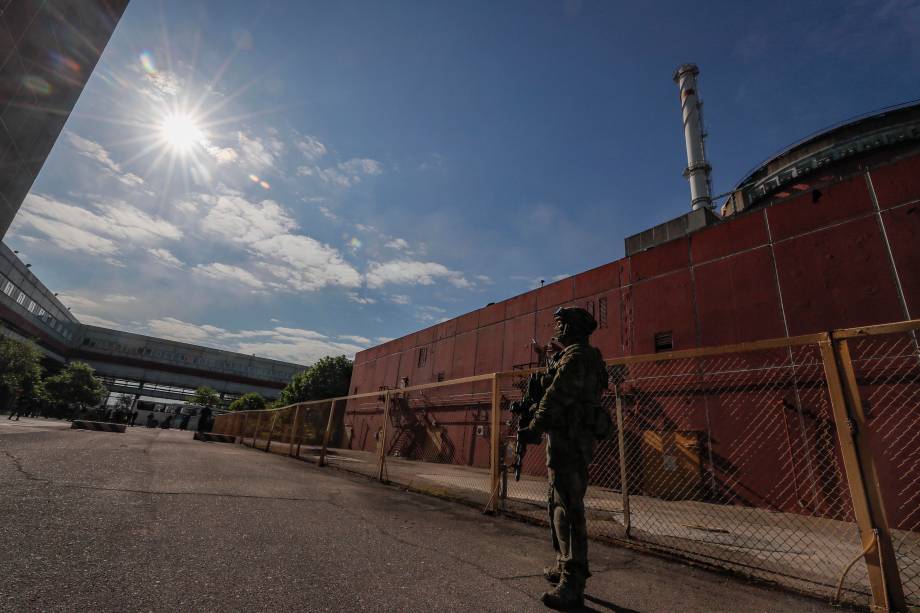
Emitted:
pixel 737 299
pixel 835 278
pixel 664 304
pixel 818 208
pixel 897 183
pixel 745 232
pixel 664 258
pixel 903 228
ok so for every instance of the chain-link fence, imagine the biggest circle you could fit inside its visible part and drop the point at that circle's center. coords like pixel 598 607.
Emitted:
pixel 789 460
pixel 883 364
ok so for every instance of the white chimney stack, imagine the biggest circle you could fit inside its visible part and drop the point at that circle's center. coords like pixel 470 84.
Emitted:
pixel 698 168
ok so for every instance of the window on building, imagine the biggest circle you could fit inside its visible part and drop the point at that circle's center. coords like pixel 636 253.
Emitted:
pixel 589 307
pixel 422 356
pixel 31 306
pixel 602 312
pixel 440 377
pixel 21 299
pixel 8 288
pixel 664 341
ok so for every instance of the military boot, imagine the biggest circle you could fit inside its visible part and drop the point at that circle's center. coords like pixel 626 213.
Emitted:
pixel 568 595
pixel 553 574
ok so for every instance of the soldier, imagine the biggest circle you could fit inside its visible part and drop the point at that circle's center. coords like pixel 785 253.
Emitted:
pixel 567 413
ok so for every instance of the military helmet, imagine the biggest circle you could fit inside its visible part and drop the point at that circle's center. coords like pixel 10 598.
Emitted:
pixel 578 321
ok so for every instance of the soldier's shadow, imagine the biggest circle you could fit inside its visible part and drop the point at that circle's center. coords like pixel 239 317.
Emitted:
pixel 604 605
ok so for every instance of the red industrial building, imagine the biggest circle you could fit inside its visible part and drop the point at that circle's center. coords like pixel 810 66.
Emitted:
pixel 823 236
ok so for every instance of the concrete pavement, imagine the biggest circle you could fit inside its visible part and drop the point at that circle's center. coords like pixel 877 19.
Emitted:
pixel 151 520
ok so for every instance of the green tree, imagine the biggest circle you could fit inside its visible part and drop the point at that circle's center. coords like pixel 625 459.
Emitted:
pixel 76 383
pixel 20 372
pixel 328 378
pixel 248 402
pixel 206 397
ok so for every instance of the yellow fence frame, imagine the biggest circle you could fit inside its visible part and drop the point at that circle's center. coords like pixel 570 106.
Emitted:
pixel 849 420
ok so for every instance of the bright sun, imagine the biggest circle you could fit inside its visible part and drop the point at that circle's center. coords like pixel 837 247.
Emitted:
pixel 180 132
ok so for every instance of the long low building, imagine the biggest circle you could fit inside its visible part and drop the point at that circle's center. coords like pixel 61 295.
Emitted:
pixel 128 362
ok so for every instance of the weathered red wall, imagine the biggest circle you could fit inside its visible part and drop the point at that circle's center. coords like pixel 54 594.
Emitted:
pixel 814 262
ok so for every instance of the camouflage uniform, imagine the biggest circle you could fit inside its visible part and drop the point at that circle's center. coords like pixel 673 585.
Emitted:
pixel 574 383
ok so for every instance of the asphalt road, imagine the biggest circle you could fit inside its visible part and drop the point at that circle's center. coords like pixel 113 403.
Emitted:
pixel 151 520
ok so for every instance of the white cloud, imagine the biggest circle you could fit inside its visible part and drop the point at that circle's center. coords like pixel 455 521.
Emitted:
pixel 359 340
pixel 256 154
pixel 96 152
pixel 399 244
pixel 305 264
pixel 229 273
pixel 359 166
pixel 328 214
pixel 411 272
pixel 125 221
pixel 311 148
pixel 236 219
pixel 222 155
pixel 399 299
pixel 96 309
pixel 344 174
pixel 286 261
pixel 355 297
pixel 384 339
pixel 365 228
pixel 106 231
pixel 177 330
pixel 335 177
pixel 430 314
pixel 160 85
pixel 296 345
pixel 165 256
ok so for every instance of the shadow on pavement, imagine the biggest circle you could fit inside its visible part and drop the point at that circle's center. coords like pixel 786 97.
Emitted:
pixel 605 605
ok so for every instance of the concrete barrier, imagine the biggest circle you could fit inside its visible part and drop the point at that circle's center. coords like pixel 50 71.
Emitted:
pixel 101 426
pixel 214 438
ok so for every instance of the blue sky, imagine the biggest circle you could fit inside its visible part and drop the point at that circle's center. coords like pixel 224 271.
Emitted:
pixel 302 179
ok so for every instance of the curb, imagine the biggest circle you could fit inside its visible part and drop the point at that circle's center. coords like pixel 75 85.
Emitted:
pixel 99 426
pixel 214 438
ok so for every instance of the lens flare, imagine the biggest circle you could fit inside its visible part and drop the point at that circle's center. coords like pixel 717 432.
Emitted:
pixel 36 85
pixel 147 62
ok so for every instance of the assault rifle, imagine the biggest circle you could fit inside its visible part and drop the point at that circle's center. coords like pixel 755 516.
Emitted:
pixel 525 408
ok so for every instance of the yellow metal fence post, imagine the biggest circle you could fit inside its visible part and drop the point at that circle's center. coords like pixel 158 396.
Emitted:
pixel 383 437
pixel 849 421
pixel 327 434
pixel 495 443
pixel 299 422
pixel 255 432
pixel 624 483
pixel 271 432
pixel 294 432
pixel 242 428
